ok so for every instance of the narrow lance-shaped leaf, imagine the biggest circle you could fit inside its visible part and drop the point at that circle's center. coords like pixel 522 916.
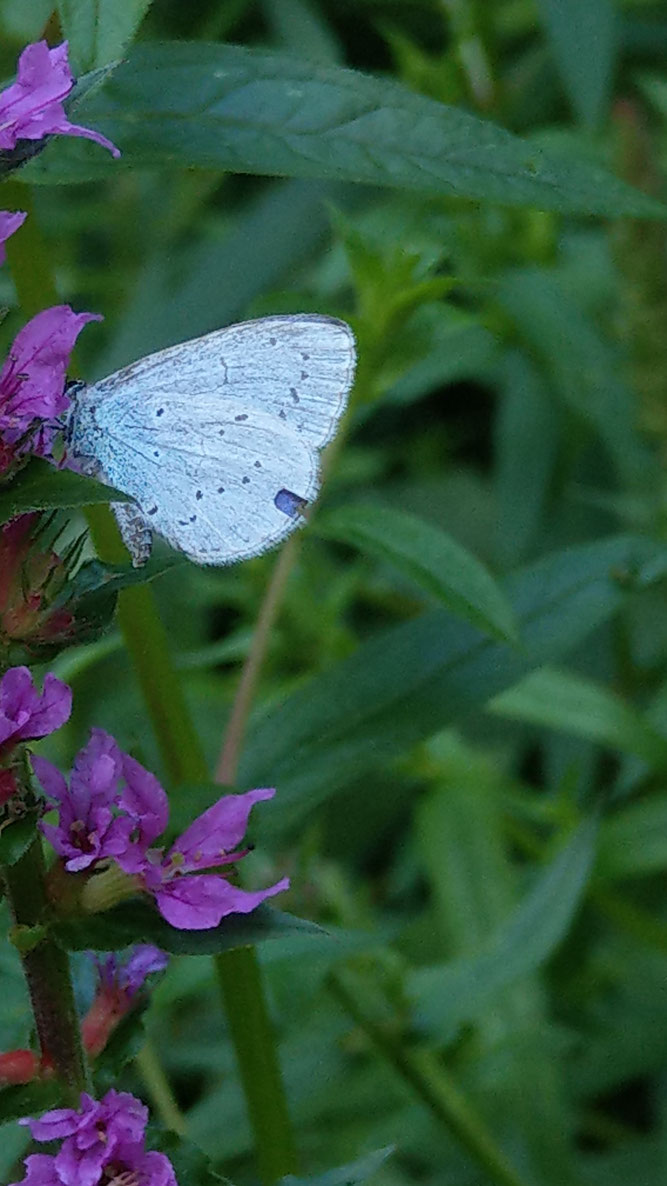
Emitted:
pixel 139 922
pixel 584 41
pixel 565 701
pixel 451 994
pixel 245 111
pixel 429 556
pixel 416 678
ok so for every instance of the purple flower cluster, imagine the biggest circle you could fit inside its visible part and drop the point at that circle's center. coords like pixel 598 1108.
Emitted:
pixel 32 107
pixel 114 810
pixel 103 1141
pixel 128 976
pixel 25 714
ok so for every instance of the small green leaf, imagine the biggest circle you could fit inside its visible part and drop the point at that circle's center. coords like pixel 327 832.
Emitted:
pixel 584 41
pixel 125 1042
pixel 180 105
pixel 428 556
pixel 454 993
pixel 30 1099
pixel 633 841
pixel 16 837
pixel 565 701
pixel 99 30
pixel 139 922
pixel 40 487
pixel 346 1175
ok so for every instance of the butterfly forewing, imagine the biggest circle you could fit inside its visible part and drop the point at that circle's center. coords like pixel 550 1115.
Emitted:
pixel 296 368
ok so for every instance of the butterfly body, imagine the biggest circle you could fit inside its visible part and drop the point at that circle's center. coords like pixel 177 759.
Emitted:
pixel 217 440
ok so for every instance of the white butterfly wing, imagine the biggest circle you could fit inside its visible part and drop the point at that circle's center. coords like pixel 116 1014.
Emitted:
pixel 298 368
pixel 219 490
pixel 217 438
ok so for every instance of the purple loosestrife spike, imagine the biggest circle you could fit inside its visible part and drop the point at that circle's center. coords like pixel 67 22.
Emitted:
pixel 102 1142
pixel 32 381
pixel 25 714
pixel 32 107
pixel 9 222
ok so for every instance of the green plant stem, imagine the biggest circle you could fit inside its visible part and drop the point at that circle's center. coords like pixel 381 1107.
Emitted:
pixel 46 969
pixel 237 971
pixel 159 1089
pixel 430 1081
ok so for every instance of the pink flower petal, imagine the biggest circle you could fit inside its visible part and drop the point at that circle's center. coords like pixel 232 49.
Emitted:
pixel 199 903
pixel 214 835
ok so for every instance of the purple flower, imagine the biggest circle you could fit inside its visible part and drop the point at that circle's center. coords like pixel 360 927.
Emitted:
pixel 87 830
pixel 130 975
pixel 120 981
pixel 101 1142
pixel 32 380
pixel 9 222
pixel 32 107
pixel 198 902
pixel 26 715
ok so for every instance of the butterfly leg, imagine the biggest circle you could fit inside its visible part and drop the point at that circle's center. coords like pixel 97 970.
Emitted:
pixel 135 531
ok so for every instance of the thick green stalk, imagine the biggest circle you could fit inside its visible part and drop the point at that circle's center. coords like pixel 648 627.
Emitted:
pixel 46 969
pixel 431 1082
pixel 147 644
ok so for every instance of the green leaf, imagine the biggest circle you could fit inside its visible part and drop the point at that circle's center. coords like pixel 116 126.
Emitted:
pixel 191 1165
pixel 428 556
pixel 246 111
pixel 96 577
pixel 562 700
pixel 138 922
pixel 633 841
pixel 16 837
pixel 413 680
pixel 449 995
pixel 582 366
pixel 584 42
pixel 29 1099
pixel 40 487
pixel 346 1175
pixel 99 30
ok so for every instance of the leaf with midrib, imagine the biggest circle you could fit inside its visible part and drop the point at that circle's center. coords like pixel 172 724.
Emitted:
pixel 229 107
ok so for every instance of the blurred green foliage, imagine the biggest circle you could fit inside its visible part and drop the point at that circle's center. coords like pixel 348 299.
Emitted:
pixel 464 698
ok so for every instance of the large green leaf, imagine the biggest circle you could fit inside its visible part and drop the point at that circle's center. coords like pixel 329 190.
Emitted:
pixel 40 487
pixel 416 678
pixel 451 994
pixel 139 922
pixel 429 556
pixel 99 30
pixel 562 700
pixel 583 36
pixel 229 107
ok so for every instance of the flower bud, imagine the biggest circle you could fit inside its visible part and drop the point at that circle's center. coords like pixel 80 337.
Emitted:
pixel 32 576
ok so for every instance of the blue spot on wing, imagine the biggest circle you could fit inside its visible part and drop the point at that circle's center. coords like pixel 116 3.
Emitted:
pixel 289 503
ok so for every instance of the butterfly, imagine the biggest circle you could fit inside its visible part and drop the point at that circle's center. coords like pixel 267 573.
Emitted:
pixel 216 441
